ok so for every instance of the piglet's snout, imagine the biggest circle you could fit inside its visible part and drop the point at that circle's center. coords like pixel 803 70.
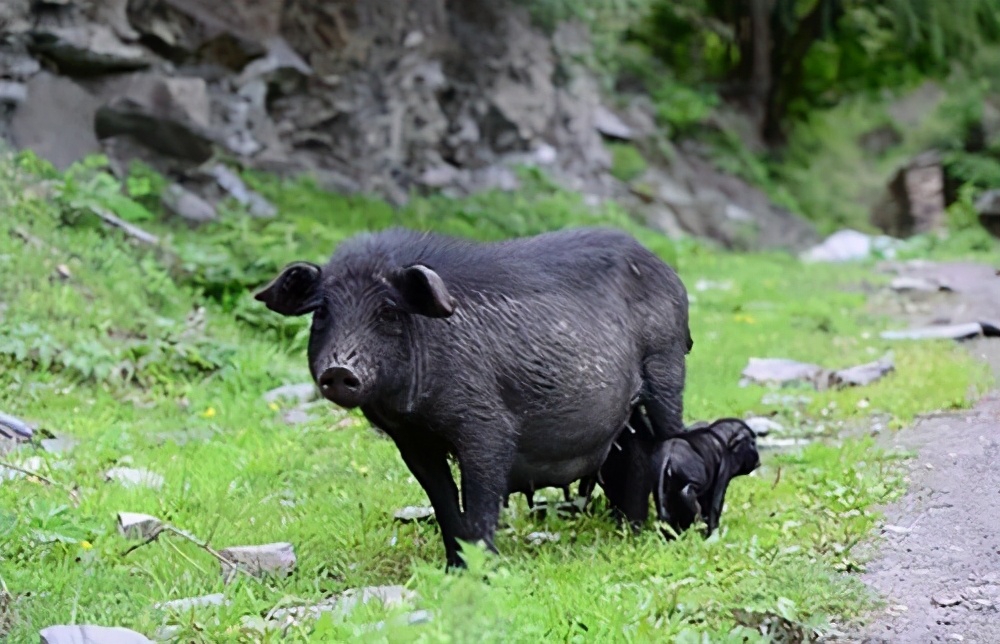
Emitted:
pixel 341 386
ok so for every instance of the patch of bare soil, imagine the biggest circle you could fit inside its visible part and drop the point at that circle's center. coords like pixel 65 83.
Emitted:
pixel 937 561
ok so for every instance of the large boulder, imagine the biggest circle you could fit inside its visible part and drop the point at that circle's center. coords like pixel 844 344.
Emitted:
pixel 56 120
pixel 914 202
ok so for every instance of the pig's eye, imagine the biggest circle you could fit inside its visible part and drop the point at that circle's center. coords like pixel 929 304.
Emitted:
pixel 321 315
pixel 388 314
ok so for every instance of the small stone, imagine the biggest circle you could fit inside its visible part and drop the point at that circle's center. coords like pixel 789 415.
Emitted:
pixel 187 205
pixel 91 635
pixel 273 558
pixel 412 513
pixel 946 600
pixel 906 283
pixel 12 93
pixel 780 371
pixel 59 445
pixel 763 426
pixel 895 529
pixel 943 332
pixel 131 477
pixel 389 596
pixel 610 125
pixel 188 603
pixel 302 393
pixel 133 525
pixel 413 39
pixel 864 374
pixel 296 416
pixel 955 637
pixel 537 538
pixel 167 633
pixel 766 442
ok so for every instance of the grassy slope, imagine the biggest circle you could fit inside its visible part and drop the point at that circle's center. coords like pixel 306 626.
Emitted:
pixel 237 474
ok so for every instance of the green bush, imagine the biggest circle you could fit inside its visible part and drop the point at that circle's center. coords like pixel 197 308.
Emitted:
pixel 627 163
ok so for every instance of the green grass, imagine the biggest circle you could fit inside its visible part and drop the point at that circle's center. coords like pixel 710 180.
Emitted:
pixel 162 358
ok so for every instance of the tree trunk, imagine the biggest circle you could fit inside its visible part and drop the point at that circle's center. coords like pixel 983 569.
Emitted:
pixel 787 63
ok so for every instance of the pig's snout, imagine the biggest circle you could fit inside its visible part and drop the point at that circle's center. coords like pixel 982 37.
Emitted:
pixel 341 386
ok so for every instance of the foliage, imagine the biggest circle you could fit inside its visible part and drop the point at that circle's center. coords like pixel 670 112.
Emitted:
pixel 627 163
pixel 817 51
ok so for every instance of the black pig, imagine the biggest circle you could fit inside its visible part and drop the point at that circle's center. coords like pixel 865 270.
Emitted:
pixel 522 358
pixel 695 469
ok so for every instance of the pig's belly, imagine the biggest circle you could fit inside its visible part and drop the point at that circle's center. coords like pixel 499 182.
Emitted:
pixel 528 475
pixel 558 451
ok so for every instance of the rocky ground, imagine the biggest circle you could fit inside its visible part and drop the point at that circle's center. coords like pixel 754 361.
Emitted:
pixel 937 562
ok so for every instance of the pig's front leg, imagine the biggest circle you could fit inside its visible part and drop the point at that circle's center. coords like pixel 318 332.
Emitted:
pixel 485 475
pixel 427 458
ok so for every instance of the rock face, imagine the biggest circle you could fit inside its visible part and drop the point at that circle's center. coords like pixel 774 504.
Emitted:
pixel 380 97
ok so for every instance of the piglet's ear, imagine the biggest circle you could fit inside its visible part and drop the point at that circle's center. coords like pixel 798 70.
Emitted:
pixel 294 291
pixel 423 291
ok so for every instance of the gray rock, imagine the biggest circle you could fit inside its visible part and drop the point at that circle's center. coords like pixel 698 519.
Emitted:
pixel 133 525
pixel 269 559
pixel 848 246
pixel 91 635
pixel 131 477
pixel 946 332
pixel 87 49
pixel 864 374
pixel 12 92
pixel 184 98
pixel 30 464
pixel 413 513
pixel 187 205
pixel 767 442
pixel 56 121
pixel 781 371
pixel 163 130
pixel 114 13
pixel 18 66
pixel 988 207
pixel 388 596
pixel 611 125
pixel 280 67
pixel 189 603
pixel 538 538
pixel 296 416
pixel 229 181
pixel 59 445
pixel 905 283
pixel 914 201
pixel 228 34
pixel 301 393
pixel 763 426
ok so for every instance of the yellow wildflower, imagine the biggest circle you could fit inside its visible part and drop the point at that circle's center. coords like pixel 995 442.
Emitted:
pixel 746 319
pixel 274 406
pixel 208 413
pixel 86 545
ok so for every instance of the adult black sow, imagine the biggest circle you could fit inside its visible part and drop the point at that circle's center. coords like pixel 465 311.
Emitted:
pixel 522 358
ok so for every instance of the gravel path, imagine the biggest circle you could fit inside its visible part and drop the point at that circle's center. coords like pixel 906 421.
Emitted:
pixel 937 561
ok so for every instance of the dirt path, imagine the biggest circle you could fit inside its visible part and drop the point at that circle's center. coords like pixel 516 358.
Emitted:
pixel 937 562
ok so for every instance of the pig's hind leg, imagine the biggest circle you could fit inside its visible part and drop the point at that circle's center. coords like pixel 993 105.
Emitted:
pixel 663 396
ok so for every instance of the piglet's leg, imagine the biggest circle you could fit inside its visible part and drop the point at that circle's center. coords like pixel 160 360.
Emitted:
pixel 427 459
pixel 690 497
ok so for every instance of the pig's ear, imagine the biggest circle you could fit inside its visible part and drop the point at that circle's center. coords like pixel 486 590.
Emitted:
pixel 423 292
pixel 293 291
